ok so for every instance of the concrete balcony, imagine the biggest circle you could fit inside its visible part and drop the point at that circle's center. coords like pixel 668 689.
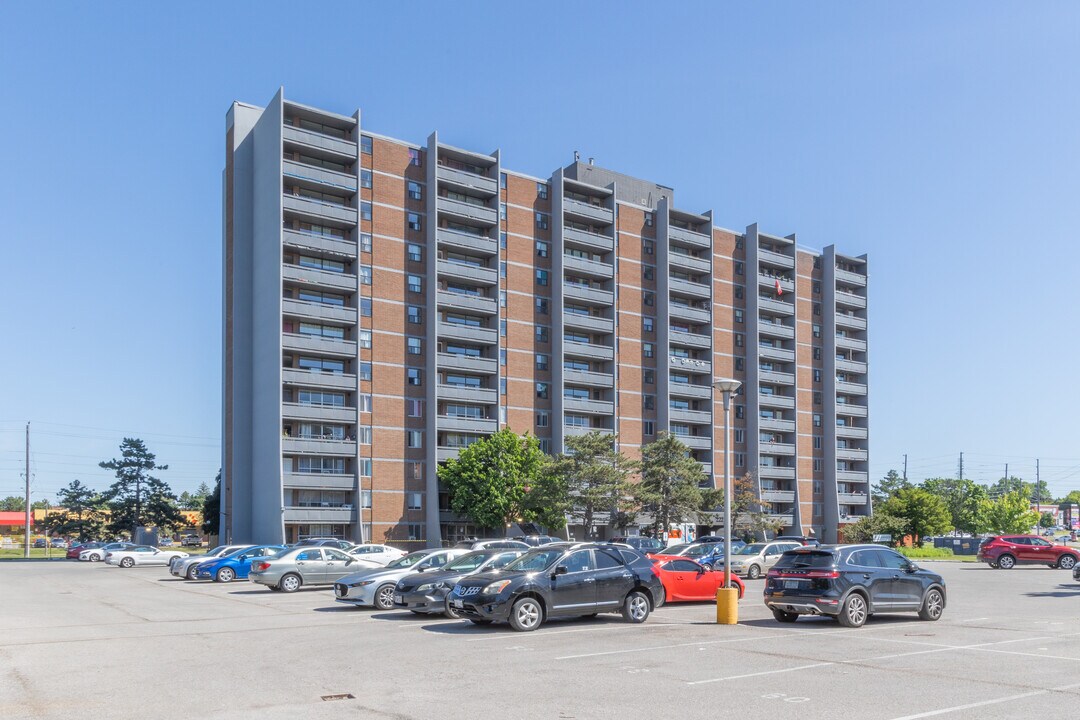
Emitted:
pixel 850 321
pixel 472 274
pixel 693 340
pixel 776 401
pixel 707 469
pixel 850 431
pixel 584 377
pixel 593 241
pixel 594 296
pixel 322 346
pixel 588 350
pixel 467 242
pixel 590 268
pixel 775 259
pixel 313 140
pixel 851 498
pixel 318 311
pixel 776 377
pixel 312 446
pixel 778 496
pixel 776 330
pixel 851 476
pixel 318 481
pixel 699 291
pixel 318 515
pixel 776 425
pixel 703 367
pixel 483 426
pixel 689 263
pixel 467 364
pixel 318 379
pixel 588 407
pixel 691 314
pixel 325 413
pixel 850 388
pixel 446 453
pixel 850 343
pixel 589 322
pixel 847 518
pixel 321 176
pixel 468 211
pixel 689 237
pixel 300 240
pixel 857 454
pixel 694 417
pixel 850 409
pixel 468 333
pixel 854 366
pixel 845 299
pixel 785 518
pixel 467 181
pixel 776 448
pixel 689 390
pixel 321 279
pixel 574 430
pixel 850 278
pixel 483 396
pixel 769 283
pixel 469 303
pixel 588 212
pixel 697 442
pixel 776 472
pixel 777 307
pixel 318 211
pixel 775 353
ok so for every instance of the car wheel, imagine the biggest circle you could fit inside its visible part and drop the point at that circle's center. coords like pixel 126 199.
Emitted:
pixel 1006 562
pixel 661 598
pixel 384 597
pixel 932 606
pixel 853 613
pixel 526 615
pixel 450 612
pixel 754 572
pixel 225 575
pixel 127 562
pixel 635 608
pixel 1067 562
pixel 95 558
pixel 289 583
pixel 479 621
pixel 784 616
pixel 193 572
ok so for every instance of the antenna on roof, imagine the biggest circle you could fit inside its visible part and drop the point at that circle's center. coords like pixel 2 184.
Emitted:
pixel 577 156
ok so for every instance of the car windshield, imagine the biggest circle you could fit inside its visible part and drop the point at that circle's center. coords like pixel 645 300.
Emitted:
pixel 676 549
pixel 409 560
pixel 695 551
pixel 535 560
pixel 749 549
pixel 469 561
pixel 803 559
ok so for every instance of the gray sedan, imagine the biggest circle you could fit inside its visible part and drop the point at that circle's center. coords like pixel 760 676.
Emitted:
pixel 375 587
pixel 185 567
pixel 290 569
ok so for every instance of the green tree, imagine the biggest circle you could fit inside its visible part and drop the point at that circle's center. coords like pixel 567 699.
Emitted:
pixel 864 529
pixel 1046 520
pixel 211 508
pixel 490 480
pixel 926 514
pixel 137 498
pixel 13 503
pixel 749 514
pixel 670 483
pixel 83 513
pixel 39 505
pixel 965 500
pixel 1072 497
pixel 596 479
pixel 888 486
pixel 1010 484
pixel 1011 513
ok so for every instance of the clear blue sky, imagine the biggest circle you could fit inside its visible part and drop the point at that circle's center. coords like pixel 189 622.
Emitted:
pixel 940 138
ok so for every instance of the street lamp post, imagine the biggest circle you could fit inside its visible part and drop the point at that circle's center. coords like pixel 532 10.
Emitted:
pixel 727 388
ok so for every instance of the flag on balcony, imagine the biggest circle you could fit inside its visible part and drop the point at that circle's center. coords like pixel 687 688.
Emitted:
pixel 779 290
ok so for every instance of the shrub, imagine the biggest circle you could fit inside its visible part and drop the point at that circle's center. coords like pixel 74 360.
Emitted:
pixel 926 552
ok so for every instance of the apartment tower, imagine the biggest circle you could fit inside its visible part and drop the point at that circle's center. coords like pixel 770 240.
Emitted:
pixel 388 303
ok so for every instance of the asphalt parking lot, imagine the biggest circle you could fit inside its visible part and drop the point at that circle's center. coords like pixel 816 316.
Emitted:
pixel 91 641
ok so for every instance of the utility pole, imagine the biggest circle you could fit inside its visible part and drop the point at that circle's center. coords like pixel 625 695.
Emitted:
pixel 1007 475
pixel 26 531
pixel 1038 488
pixel 905 468
pixel 961 466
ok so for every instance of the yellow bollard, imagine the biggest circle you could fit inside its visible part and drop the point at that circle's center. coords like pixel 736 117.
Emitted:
pixel 727 606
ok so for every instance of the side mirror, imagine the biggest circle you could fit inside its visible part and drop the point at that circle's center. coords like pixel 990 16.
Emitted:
pixel 350 561
pixel 911 567
pixel 704 569
pixel 561 570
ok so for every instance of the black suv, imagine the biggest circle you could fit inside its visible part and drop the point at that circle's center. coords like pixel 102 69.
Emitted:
pixel 560 580
pixel 640 543
pixel 851 583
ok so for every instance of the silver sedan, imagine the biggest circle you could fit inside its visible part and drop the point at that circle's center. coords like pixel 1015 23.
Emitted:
pixel 375 587
pixel 290 569
pixel 185 567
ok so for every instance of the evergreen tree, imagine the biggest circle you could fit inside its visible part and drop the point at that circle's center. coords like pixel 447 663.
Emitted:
pixel 596 479
pixel 670 483
pixel 211 508
pixel 137 498
pixel 887 487
pixel 83 514
pixel 13 503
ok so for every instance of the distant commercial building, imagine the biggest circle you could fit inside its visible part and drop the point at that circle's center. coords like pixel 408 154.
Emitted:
pixel 387 303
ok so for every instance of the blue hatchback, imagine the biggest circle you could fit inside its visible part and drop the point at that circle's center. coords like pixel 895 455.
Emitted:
pixel 714 558
pixel 237 565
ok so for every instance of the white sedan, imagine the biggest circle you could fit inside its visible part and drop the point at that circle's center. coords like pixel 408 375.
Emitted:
pixel 376 554
pixel 142 555
pixel 98 554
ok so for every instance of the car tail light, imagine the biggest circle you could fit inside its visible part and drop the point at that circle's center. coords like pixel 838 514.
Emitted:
pixel 262 566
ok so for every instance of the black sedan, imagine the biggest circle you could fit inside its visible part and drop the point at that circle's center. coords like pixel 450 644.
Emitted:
pixel 561 580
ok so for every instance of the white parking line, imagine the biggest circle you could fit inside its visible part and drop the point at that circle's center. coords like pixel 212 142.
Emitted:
pixel 661 647
pixel 995 701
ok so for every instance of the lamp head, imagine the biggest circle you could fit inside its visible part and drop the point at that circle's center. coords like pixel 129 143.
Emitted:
pixel 726 385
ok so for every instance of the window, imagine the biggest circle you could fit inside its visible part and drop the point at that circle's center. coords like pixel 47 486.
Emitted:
pixel 502 298
pixel 365 371
pixel 414 438
pixel 542 419
pixel 817 420
pixel 541 248
pixel 817 375
pixel 542 190
pixel 415 284
pixel 542 390
pixel 365 178
pixel 738 268
pixel 739 364
pixel 648 247
pixel 739 316
pixel 364 465
pixel 416 531
pixel 541 362
pixel 415 252
pixel 365 307
pixel 502 386
pixel 415 501
pixel 816 288
pixel 545 445
pixel 738 292
pixel 502 269
pixel 502 328
pixel 365 242
pixel 415 376
pixel 817 330
pixel 502 211
pixel 648 350
pixel 740 243
pixel 647 324
pixel 648 272
pixel 817 397
pixel 502 180
pixel 649 377
pixel 649 220
pixel 414 470
pixel 365 274
pixel 414 314
pixel 414 345
pixel 817 442
pixel 542 306
pixel 817 464
pixel 817 308
pixel 502 357
pixel 541 221
pixel 365 339
pixel 649 299
pixel 415 191
pixel 414 221
pixel 740 459
pixel 363 435
pixel 817 262
pixel 648 402
pixel 649 428
pixel 502 240
pixel 414 408
pixel 542 277
pixel 740 339
pixel 365 144
pixel 740 435
pixel 541 333
pixel 817 353
pixel 363 402
pixel 740 412
pixel 414 157
pixel 365 211
pixel 365 498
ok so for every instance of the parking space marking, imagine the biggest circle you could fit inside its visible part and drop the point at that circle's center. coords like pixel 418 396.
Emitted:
pixel 605 628
pixel 759 674
pixel 983 703
pixel 661 647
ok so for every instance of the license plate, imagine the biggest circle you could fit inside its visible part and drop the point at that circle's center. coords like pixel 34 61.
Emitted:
pixel 399 600
pixel 792 584
pixel 457 603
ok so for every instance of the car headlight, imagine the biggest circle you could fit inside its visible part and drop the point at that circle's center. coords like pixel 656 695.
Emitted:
pixel 362 583
pixel 426 587
pixel 495 588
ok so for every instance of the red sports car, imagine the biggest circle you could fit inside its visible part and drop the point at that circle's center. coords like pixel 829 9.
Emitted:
pixel 686 580
pixel 76 548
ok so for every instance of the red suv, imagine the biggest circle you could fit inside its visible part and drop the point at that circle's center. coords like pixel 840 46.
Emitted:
pixel 1007 551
